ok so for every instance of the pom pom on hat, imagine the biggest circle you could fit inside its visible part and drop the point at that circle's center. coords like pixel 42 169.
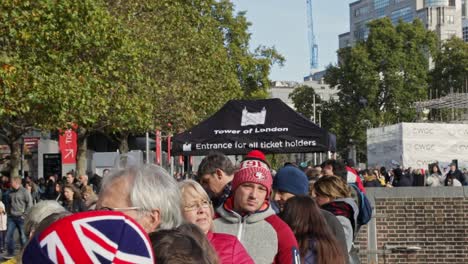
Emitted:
pixel 256 155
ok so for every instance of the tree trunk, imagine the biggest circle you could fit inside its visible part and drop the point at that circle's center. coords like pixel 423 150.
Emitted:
pixel 123 142
pixel 15 158
pixel 81 162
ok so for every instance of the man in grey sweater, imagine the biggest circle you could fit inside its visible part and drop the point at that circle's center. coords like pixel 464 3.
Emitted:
pixel 18 203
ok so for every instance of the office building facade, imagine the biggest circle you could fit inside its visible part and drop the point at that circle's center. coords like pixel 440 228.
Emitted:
pixel 444 17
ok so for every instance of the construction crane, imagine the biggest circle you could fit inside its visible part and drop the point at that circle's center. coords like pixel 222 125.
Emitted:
pixel 313 47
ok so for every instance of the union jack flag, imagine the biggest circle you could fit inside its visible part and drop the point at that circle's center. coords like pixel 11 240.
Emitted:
pixel 95 237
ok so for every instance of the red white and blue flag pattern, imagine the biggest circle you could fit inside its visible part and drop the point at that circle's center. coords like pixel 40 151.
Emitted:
pixel 96 237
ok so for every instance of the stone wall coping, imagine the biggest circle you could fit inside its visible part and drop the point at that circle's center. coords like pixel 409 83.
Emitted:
pixel 416 192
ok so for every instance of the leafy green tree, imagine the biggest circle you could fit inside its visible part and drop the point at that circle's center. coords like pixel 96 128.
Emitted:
pixel 451 67
pixel 198 55
pixel 303 99
pixel 378 80
pixel 74 64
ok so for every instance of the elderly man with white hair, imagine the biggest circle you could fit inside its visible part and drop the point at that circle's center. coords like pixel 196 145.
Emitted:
pixel 146 193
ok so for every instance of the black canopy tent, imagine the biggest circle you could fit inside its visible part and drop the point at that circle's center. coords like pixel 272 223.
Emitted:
pixel 242 125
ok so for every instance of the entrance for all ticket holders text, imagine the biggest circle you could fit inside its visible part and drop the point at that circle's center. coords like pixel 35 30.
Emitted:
pixel 239 126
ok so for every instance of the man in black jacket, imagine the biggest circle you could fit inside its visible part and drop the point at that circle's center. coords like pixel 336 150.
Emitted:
pixel 455 173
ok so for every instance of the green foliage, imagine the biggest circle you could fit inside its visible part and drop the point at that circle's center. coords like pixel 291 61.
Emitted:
pixel 73 63
pixel 451 67
pixel 378 79
pixel 123 67
pixel 303 99
pixel 198 55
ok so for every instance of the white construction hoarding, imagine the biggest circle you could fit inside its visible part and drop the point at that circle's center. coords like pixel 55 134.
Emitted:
pixel 416 145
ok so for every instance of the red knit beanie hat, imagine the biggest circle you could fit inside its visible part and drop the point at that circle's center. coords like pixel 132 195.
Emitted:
pixel 253 171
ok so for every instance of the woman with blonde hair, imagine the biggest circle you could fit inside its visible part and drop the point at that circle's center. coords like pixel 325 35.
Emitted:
pixel 333 194
pixel 197 209
pixel 89 198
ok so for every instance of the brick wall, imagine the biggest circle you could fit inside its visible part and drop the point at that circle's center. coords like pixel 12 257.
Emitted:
pixel 433 219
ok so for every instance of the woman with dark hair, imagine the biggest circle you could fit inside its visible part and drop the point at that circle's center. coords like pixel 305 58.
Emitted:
pixel 316 242
pixel 72 199
pixel 175 246
pixel 196 233
pixel 435 177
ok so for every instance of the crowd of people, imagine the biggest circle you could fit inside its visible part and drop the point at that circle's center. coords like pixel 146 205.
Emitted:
pixel 245 213
pixel 434 176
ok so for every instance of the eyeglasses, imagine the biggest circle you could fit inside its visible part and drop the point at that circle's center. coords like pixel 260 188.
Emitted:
pixel 195 206
pixel 118 208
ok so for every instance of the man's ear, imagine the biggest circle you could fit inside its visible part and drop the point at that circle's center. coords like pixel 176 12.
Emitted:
pixel 219 174
pixel 154 220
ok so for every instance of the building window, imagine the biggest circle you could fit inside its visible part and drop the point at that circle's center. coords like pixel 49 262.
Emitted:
pixel 465 34
pixel 452 3
pixel 436 2
pixel 464 9
pixel 361 11
pixel 405 14
pixel 450 20
pixel 398 1
pixel 378 4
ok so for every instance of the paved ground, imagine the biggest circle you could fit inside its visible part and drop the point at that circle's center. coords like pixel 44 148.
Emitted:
pixel 17 248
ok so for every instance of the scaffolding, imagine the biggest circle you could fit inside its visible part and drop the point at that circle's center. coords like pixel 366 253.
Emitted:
pixel 452 107
pixel 453 100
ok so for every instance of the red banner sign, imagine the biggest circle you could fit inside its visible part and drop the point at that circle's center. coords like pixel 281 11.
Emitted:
pixel 68 146
pixel 158 147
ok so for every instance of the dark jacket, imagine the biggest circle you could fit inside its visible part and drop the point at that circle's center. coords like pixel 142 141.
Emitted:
pixel 336 228
pixel 457 174
pixel 403 180
pixel 75 206
pixel 372 183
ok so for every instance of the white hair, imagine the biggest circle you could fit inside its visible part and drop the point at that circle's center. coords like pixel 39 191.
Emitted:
pixel 151 187
pixel 186 184
pixel 191 187
pixel 38 212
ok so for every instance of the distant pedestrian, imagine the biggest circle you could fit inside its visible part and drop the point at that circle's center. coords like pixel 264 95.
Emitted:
pixel 89 197
pixel 3 227
pixel 454 174
pixel 19 202
pixel 72 199
pixel 435 177
pixel 370 178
